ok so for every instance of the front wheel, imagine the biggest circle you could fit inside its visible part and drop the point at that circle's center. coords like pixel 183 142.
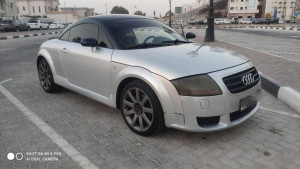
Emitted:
pixel 141 109
pixel 46 77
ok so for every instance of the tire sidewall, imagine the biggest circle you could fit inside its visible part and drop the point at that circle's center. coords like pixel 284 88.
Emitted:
pixel 157 109
pixel 52 84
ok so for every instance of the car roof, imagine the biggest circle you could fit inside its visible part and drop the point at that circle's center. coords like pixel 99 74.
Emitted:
pixel 106 18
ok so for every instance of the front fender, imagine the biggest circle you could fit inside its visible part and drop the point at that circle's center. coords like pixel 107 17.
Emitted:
pixel 45 54
pixel 163 89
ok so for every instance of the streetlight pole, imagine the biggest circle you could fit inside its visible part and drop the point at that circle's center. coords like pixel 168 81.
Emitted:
pixel 106 8
pixel 210 30
pixel 170 13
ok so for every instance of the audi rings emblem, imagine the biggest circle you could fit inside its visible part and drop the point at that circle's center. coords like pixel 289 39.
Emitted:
pixel 248 79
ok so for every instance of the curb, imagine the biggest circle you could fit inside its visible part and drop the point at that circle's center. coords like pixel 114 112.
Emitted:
pixel 286 94
pixel 251 27
pixel 29 35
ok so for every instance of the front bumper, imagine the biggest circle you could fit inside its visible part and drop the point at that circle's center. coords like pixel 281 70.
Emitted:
pixel 213 113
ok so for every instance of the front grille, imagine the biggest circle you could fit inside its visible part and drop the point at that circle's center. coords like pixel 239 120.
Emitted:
pixel 239 114
pixel 207 121
pixel 235 84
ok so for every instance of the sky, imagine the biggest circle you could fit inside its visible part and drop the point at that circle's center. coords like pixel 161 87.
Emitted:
pixel 146 6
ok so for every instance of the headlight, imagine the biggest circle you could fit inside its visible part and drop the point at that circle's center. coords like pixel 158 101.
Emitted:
pixel 200 85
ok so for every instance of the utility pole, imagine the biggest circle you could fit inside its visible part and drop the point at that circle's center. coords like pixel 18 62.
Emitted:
pixel 170 13
pixel 106 8
pixel 210 30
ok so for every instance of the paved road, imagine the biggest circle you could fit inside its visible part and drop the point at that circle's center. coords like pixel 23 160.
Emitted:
pixel 283 44
pixel 270 139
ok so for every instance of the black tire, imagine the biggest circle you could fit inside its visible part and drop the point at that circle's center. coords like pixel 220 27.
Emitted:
pixel 157 117
pixel 46 77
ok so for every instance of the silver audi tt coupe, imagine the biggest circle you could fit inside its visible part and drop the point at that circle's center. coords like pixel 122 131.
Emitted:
pixel 154 75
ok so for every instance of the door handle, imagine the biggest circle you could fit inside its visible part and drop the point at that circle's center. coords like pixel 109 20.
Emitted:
pixel 64 50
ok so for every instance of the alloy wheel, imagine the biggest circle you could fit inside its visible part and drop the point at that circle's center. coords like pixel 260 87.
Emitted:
pixel 137 109
pixel 45 75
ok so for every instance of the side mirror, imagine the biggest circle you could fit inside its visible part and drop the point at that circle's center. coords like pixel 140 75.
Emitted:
pixel 190 35
pixel 91 42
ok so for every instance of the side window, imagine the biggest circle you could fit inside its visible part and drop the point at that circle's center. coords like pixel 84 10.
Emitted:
pixel 103 40
pixel 82 31
pixel 65 36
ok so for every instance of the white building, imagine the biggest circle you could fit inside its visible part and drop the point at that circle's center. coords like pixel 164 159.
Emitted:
pixel 285 8
pixel 243 8
pixel 36 7
pixel 8 9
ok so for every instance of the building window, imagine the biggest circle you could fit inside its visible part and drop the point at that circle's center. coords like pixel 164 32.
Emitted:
pixel 23 8
pixel 242 0
pixel 231 8
pixel 33 9
pixel 39 9
pixel 241 8
pixel 232 0
pixel 18 9
pixel 246 8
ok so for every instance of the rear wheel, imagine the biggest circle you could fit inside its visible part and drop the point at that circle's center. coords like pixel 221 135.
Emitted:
pixel 141 109
pixel 46 77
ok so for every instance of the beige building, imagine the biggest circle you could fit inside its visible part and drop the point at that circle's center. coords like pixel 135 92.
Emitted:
pixel 285 8
pixel 65 17
pixel 36 7
pixel 243 8
pixel 80 12
pixel 8 9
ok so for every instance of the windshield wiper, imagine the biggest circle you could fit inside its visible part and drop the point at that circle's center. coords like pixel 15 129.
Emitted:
pixel 144 45
pixel 176 41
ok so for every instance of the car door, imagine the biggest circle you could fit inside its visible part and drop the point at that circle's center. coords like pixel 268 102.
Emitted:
pixel 87 67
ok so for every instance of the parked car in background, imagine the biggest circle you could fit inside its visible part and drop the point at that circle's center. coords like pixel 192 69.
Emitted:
pixel 1 26
pixel 227 21
pixel 257 21
pixel 266 21
pixel 13 25
pixel 37 24
pixel 234 21
pixel 56 25
pixel 201 21
pixel 274 20
pixel 245 21
pixel 219 21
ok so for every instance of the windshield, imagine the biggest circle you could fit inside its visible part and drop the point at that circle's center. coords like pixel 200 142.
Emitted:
pixel 144 33
pixel 33 22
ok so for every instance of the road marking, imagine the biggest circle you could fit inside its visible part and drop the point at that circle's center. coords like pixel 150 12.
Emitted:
pixel 74 154
pixel 3 50
pixel 260 51
pixel 295 36
pixel 280 112
pixel 7 80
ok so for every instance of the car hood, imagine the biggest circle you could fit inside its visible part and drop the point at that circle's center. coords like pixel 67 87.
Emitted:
pixel 178 61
